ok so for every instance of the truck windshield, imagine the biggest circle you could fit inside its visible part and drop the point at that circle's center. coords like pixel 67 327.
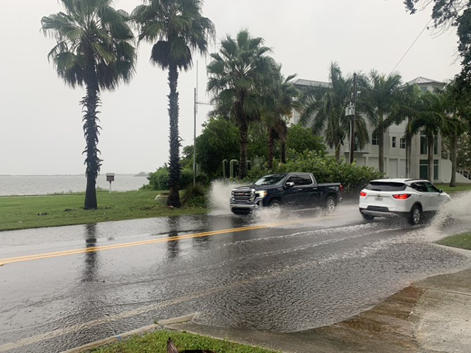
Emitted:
pixel 270 179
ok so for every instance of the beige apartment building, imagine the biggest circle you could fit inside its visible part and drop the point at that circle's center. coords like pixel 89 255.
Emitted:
pixel 395 145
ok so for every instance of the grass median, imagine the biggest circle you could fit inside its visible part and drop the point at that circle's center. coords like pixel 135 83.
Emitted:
pixel 156 342
pixel 448 189
pixel 21 212
pixel 462 241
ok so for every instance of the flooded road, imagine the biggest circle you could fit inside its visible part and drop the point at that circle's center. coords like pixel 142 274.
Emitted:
pixel 67 286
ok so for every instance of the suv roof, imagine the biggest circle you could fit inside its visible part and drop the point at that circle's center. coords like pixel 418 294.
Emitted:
pixel 404 181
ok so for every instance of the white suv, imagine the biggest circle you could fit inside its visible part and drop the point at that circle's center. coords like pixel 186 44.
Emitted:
pixel 400 197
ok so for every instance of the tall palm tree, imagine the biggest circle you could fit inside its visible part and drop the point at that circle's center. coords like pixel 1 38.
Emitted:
pixel 407 109
pixel 429 121
pixel 238 76
pixel 279 104
pixel 384 97
pixel 458 112
pixel 176 27
pixel 324 109
pixel 94 49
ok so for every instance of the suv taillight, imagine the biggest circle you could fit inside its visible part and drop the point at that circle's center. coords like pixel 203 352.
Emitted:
pixel 401 196
pixel 362 194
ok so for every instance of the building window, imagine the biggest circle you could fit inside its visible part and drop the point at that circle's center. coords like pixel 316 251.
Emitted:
pixel 423 143
pixel 402 143
pixel 393 142
pixel 423 171
pixel 374 139
pixel 435 146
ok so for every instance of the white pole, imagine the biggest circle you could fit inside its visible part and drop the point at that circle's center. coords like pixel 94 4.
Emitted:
pixel 195 108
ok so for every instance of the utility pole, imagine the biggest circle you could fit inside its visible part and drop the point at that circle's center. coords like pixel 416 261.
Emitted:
pixel 195 110
pixel 352 128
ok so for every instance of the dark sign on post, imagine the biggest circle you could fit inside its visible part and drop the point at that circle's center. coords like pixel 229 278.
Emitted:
pixel 110 178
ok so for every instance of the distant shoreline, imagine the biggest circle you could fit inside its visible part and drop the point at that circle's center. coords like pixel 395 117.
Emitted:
pixel 61 175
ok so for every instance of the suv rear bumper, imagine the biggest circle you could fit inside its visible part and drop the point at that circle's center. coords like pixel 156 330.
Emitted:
pixel 381 213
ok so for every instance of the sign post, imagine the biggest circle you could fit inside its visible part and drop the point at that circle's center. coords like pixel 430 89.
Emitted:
pixel 110 178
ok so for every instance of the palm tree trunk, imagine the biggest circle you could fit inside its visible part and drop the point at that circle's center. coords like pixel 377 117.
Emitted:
pixel 430 157
pixel 381 147
pixel 174 165
pixel 90 128
pixel 243 129
pixel 408 147
pixel 283 152
pixel 337 152
pixel 453 152
pixel 271 149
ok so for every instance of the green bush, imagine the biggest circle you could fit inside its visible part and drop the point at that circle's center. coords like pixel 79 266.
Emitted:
pixel 159 179
pixel 325 168
pixel 195 196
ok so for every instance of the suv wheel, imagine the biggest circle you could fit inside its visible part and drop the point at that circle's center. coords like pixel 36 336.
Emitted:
pixel 415 215
pixel 367 217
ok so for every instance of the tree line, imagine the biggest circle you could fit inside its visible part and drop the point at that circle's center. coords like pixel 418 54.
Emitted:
pixel 95 48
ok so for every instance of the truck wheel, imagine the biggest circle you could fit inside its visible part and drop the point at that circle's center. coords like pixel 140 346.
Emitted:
pixel 329 205
pixel 275 207
pixel 415 215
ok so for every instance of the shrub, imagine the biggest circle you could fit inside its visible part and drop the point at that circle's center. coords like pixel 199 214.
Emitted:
pixel 159 179
pixel 195 196
pixel 325 168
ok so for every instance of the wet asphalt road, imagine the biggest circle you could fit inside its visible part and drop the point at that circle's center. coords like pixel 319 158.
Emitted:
pixel 64 287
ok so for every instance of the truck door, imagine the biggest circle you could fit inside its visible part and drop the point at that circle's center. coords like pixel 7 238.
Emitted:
pixel 301 194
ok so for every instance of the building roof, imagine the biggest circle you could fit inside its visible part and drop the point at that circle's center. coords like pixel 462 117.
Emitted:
pixel 422 80
pixel 310 83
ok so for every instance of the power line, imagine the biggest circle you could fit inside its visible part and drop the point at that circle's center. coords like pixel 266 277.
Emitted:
pixel 415 40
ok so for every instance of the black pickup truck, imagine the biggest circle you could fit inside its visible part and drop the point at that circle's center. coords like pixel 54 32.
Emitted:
pixel 295 190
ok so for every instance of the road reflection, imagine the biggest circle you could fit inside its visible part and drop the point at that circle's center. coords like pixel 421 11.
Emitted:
pixel 173 246
pixel 90 269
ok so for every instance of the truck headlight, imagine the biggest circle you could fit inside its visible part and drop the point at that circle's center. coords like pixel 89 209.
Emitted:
pixel 261 194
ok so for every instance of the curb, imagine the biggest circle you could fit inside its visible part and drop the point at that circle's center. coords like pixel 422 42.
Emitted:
pixel 146 329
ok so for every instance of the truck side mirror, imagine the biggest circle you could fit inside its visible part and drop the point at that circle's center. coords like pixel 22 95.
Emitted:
pixel 289 184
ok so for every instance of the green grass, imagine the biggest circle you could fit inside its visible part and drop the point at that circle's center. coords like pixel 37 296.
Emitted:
pixel 156 342
pixel 462 241
pixel 21 212
pixel 459 187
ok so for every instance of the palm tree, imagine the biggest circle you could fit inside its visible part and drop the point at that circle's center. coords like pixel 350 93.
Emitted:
pixel 457 112
pixel 279 104
pixel 94 49
pixel 177 27
pixel 238 76
pixel 383 96
pixel 429 121
pixel 407 109
pixel 324 108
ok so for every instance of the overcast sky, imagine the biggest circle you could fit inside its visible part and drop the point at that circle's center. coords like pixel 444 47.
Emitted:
pixel 41 128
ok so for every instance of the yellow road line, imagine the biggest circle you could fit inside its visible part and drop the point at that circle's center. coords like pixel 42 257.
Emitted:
pixel 152 307
pixel 139 243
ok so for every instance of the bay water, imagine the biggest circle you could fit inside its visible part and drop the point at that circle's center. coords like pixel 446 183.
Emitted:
pixel 56 184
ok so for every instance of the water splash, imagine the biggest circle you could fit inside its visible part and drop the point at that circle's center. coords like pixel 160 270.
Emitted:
pixel 454 217
pixel 219 196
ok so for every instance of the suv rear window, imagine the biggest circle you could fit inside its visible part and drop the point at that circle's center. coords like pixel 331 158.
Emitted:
pixel 385 186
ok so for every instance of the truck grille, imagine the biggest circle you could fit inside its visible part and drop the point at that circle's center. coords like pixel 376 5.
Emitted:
pixel 243 196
